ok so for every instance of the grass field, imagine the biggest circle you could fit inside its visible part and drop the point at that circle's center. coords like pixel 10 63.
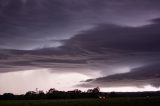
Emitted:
pixel 141 101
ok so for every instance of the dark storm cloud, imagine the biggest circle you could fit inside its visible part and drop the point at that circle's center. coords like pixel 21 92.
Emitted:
pixel 31 22
pixel 140 77
pixel 145 38
pixel 107 48
pixel 80 35
pixel 38 23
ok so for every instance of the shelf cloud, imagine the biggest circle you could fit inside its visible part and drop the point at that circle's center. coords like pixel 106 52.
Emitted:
pixel 117 39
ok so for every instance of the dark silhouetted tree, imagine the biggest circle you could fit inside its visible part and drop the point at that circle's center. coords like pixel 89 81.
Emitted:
pixel 51 91
pixel 8 96
pixel 29 93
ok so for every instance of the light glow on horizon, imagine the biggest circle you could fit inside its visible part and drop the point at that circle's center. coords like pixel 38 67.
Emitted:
pixel 23 81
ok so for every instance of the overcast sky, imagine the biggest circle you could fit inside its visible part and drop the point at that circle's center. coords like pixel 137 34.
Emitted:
pixel 68 44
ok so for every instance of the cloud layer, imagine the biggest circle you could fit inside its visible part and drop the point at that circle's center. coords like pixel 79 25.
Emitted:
pixel 106 48
pixel 139 77
pixel 44 23
pixel 109 37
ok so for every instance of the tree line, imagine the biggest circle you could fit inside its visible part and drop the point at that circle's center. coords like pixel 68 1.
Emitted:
pixel 53 94
pixel 74 94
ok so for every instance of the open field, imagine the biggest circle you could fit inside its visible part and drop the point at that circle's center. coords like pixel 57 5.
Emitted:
pixel 135 101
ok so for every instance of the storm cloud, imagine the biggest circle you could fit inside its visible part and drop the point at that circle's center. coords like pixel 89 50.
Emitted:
pixel 31 24
pixel 145 38
pixel 139 77
pixel 109 37
pixel 105 47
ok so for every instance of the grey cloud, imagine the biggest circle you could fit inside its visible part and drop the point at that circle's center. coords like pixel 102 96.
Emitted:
pixel 19 60
pixel 145 38
pixel 118 40
pixel 35 23
pixel 139 77
pixel 106 48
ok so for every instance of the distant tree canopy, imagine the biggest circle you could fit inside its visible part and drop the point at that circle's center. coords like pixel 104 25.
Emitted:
pixel 94 90
pixel 74 94
pixel 52 93
pixel 30 93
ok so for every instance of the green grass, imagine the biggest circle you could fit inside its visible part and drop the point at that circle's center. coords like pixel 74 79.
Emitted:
pixel 152 101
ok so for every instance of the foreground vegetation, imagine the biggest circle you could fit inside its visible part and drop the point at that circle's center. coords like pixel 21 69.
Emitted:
pixel 116 101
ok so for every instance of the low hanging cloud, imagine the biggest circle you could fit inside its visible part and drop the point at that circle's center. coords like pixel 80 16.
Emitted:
pixel 139 77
